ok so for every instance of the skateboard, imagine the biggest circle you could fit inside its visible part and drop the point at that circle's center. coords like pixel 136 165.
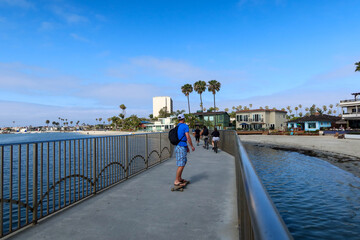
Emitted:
pixel 180 188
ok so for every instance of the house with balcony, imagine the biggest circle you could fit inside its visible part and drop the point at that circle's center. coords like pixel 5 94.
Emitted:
pixel 162 124
pixel 351 111
pixel 257 119
pixel 313 122
pixel 209 119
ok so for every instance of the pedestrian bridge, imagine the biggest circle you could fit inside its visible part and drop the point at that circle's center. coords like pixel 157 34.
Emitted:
pixel 119 188
pixel 144 207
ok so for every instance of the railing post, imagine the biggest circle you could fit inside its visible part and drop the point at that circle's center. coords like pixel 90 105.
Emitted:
pixel 126 157
pixel 146 151
pixel 94 165
pixel 160 147
pixel 1 188
pixel 35 182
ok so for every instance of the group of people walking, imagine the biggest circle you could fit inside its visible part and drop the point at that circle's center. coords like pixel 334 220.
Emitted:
pixel 182 147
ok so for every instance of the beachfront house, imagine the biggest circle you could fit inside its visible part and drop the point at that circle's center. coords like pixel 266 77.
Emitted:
pixel 351 112
pixel 257 119
pixel 209 119
pixel 162 124
pixel 313 122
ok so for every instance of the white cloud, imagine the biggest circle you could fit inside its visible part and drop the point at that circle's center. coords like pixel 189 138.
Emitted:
pixel 17 3
pixel 32 80
pixel 69 17
pixel 79 38
pixel 45 26
pixel 154 67
pixel 25 114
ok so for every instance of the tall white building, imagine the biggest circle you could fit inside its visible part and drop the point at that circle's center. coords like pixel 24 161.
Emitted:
pixel 160 103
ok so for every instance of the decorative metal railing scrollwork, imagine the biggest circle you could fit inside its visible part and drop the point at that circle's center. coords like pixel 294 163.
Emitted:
pixel 38 179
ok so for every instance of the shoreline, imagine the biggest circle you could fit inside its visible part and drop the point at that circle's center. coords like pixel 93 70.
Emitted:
pixel 330 149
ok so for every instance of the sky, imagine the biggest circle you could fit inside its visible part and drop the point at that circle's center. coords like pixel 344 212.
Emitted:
pixel 79 60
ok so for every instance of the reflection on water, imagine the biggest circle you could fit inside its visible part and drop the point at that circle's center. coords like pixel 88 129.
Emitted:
pixel 316 199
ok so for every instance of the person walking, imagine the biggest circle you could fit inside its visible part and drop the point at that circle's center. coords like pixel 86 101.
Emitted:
pixel 197 135
pixel 182 149
pixel 205 134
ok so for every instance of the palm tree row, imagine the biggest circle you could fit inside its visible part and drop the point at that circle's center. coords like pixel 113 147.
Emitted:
pixel 200 87
pixel 314 109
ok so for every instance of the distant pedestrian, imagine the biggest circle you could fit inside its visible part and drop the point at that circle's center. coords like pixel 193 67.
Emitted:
pixel 197 136
pixel 182 149
pixel 205 134
pixel 215 136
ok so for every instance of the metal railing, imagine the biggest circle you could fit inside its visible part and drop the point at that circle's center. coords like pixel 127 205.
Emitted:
pixel 257 215
pixel 38 179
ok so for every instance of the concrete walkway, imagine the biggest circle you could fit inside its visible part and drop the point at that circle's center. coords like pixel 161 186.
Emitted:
pixel 144 207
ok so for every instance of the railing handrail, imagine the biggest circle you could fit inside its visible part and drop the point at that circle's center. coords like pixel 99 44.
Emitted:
pixel 40 178
pixel 258 216
pixel 78 138
pixel 266 220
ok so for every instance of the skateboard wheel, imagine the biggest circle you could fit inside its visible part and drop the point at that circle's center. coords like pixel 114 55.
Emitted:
pixel 181 189
pixel 172 189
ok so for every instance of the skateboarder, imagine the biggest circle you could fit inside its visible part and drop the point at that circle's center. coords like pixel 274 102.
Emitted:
pixel 182 149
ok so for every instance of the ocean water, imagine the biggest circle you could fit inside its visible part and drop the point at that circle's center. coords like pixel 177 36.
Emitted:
pixel 31 137
pixel 316 199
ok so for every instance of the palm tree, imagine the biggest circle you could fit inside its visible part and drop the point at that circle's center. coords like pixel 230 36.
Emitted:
pixel 47 122
pixel 300 107
pixel 296 109
pixel 357 69
pixel 200 87
pixel 324 108
pixel 250 106
pixel 226 109
pixel 123 108
pixel 187 89
pixel 214 86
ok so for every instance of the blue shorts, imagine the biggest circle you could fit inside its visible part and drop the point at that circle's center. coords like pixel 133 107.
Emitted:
pixel 181 153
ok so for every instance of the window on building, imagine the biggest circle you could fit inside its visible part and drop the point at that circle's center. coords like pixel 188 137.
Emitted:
pixel 256 117
pixel 211 118
pixel 246 118
pixel 311 125
pixel 206 118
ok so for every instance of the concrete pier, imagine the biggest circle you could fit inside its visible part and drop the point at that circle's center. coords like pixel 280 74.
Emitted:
pixel 144 207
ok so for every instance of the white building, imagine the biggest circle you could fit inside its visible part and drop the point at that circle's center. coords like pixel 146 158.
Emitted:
pixel 163 124
pixel 351 111
pixel 160 103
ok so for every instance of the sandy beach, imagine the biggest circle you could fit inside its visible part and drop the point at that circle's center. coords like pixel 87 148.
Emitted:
pixel 108 133
pixel 343 153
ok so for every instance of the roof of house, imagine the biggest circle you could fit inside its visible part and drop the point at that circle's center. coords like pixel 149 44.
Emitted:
pixel 261 110
pixel 318 118
pixel 209 113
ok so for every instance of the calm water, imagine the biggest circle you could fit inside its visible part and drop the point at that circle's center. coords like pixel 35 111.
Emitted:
pixel 30 137
pixel 316 199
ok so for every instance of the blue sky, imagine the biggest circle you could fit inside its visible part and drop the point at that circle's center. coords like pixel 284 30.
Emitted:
pixel 81 59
